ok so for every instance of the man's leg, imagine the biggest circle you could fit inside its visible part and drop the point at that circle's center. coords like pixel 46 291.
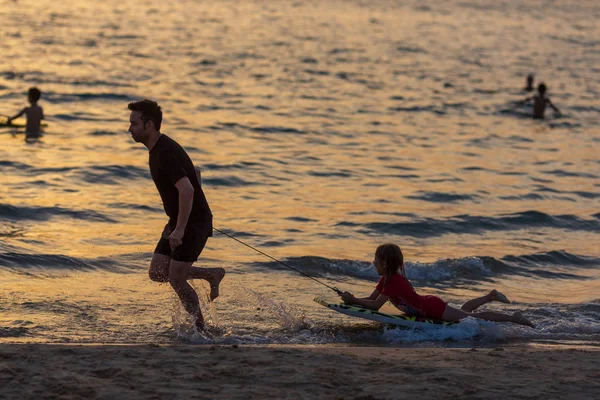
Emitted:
pixel 159 268
pixel 214 276
pixel 178 274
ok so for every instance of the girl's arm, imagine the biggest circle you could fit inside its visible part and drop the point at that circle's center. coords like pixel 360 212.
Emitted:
pixel 373 296
pixel 371 304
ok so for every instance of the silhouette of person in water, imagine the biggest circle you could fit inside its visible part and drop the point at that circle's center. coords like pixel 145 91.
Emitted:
pixel 539 102
pixel 190 218
pixel 34 114
pixel 529 87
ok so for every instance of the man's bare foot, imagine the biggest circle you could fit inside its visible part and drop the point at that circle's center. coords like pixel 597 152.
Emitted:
pixel 214 281
pixel 496 295
pixel 520 319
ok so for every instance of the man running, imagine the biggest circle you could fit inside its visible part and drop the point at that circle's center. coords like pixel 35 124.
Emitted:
pixel 190 218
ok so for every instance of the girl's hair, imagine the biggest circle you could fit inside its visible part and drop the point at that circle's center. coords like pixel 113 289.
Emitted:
pixel 390 255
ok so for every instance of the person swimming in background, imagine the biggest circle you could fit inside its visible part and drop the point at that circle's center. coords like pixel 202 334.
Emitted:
pixel 529 87
pixel 34 113
pixel 539 102
pixel 394 286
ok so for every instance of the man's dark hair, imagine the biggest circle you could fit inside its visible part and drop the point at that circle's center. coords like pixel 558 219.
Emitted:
pixel 150 110
pixel 34 94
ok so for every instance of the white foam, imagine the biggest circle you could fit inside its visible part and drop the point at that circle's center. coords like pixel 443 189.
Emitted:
pixel 467 330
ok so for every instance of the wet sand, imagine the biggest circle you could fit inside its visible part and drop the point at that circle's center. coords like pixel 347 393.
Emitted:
pixel 98 371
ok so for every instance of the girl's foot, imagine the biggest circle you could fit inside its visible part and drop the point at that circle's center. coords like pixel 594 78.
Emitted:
pixel 520 319
pixel 496 295
pixel 214 282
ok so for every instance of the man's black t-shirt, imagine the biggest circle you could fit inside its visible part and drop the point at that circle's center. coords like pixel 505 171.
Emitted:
pixel 168 164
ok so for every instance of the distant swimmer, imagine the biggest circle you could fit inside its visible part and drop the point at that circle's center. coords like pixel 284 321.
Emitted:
pixel 539 102
pixel 393 286
pixel 190 218
pixel 529 86
pixel 34 114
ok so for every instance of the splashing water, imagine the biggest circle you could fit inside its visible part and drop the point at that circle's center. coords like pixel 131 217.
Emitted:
pixel 289 318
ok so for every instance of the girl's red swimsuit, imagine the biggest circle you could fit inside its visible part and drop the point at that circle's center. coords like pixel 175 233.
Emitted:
pixel 404 297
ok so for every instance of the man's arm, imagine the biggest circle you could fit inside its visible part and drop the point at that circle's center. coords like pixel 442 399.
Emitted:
pixel 186 200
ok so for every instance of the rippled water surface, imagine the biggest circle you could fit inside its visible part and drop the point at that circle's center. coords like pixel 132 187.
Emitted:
pixel 322 129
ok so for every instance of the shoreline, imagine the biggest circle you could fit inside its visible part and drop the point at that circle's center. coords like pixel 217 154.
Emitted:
pixel 153 371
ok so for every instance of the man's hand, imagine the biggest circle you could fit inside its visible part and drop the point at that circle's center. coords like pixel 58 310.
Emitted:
pixel 175 238
pixel 348 297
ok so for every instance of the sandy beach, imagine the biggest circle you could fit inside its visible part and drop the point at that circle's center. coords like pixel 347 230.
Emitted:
pixel 295 372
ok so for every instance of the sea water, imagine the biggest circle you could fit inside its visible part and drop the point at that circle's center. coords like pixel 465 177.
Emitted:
pixel 323 129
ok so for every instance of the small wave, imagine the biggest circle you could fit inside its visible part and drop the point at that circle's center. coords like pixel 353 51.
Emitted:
pixel 141 207
pixel 259 129
pixel 22 262
pixel 242 166
pixel 205 63
pixel 301 219
pixel 338 174
pixel 549 265
pixel 316 72
pixel 276 129
pixel 102 133
pixel 121 37
pixel 411 49
pixel 530 196
pixel 231 181
pixel 82 116
pixel 586 109
pixel 13 213
pixel 561 258
pixel 441 271
pixel 446 272
pixel 345 50
pixel 431 109
pixel 77 97
pixel 568 174
pixel 8 332
pixel 438 197
pixel 105 174
pixel 111 174
pixel 466 224
pixel 14 165
pixel 587 195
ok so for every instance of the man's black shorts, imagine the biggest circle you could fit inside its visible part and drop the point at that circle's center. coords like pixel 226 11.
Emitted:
pixel 192 244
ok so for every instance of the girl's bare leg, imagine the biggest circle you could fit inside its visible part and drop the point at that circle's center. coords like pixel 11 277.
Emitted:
pixel 494 295
pixel 454 314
